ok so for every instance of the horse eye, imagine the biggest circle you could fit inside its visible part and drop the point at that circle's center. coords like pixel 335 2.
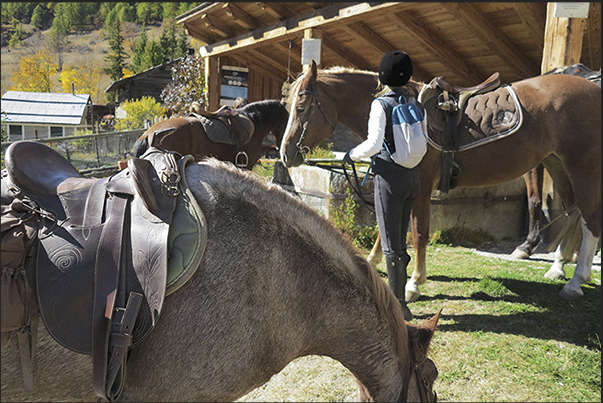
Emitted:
pixel 301 109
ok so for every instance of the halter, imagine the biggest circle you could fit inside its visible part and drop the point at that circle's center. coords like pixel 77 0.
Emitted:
pixel 305 149
pixel 421 384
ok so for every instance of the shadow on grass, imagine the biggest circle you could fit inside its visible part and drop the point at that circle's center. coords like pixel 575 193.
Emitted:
pixel 573 321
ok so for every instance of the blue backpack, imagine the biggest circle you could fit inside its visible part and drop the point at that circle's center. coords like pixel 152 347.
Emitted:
pixel 410 132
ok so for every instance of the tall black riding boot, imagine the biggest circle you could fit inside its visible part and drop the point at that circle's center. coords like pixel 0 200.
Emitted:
pixel 396 275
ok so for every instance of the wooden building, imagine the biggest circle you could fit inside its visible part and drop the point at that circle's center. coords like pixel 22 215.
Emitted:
pixel 463 42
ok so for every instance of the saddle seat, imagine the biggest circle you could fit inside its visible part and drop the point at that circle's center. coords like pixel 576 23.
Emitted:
pixel 109 250
pixel 41 170
pixel 240 127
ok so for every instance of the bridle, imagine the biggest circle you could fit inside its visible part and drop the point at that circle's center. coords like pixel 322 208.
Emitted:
pixel 305 149
pixel 422 384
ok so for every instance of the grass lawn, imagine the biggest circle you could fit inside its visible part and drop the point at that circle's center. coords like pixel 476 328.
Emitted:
pixel 504 335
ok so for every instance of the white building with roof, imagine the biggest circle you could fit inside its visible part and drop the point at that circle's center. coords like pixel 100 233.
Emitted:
pixel 40 115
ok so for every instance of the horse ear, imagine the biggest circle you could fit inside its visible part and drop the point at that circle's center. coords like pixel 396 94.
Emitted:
pixel 423 333
pixel 314 70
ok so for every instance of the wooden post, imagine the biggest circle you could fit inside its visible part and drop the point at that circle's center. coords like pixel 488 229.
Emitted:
pixel 562 47
pixel 212 83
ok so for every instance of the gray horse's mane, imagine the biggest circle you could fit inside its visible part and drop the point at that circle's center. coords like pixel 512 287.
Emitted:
pixel 222 178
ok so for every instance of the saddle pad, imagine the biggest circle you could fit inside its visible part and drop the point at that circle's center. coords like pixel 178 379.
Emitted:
pixel 486 118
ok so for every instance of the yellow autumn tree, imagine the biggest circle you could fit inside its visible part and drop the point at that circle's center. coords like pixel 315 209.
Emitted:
pixel 85 80
pixel 139 111
pixel 34 72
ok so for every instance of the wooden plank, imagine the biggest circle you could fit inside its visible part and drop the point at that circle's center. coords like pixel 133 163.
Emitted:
pixel 348 55
pixel 533 15
pixel 240 17
pixel 408 24
pixel 212 82
pixel 216 26
pixel 368 36
pixel 563 40
pixel 469 14
pixel 278 10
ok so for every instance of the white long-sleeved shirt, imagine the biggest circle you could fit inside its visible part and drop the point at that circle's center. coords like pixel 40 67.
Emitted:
pixel 376 133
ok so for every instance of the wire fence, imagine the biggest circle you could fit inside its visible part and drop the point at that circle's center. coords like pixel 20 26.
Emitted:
pixel 95 154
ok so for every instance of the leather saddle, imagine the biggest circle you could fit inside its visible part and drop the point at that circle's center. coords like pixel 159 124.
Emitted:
pixel 109 249
pixel 225 125
pixel 452 112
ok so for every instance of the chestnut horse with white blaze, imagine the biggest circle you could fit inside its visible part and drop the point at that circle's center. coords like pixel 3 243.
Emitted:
pixel 561 129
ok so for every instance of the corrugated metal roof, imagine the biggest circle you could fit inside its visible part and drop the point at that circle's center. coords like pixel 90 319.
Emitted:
pixel 44 108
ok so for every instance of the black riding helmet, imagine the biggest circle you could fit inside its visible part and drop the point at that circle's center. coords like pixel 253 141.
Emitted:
pixel 395 68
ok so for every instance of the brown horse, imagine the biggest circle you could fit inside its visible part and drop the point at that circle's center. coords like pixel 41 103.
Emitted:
pixel 255 304
pixel 561 130
pixel 189 137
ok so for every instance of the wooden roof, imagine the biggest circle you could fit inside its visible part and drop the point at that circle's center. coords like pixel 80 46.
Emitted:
pixel 463 42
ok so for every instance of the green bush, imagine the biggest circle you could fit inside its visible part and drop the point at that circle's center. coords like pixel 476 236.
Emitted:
pixel 344 218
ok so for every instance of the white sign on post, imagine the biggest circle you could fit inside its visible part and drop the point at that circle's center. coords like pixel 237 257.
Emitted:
pixel 571 10
pixel 310 51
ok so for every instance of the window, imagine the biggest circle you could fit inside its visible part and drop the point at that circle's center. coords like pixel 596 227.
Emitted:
pixel 15 132
pixel 56 131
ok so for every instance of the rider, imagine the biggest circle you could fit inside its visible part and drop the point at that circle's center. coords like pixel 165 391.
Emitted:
pixel 396 187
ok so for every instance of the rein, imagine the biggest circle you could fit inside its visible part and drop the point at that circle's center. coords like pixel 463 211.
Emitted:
pixel 421 384
pixel 305 149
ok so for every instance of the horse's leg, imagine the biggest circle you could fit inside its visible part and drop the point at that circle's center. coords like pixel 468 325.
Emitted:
pixel 534 182
pixel 376 253
pixel 420 238
pixel 582 273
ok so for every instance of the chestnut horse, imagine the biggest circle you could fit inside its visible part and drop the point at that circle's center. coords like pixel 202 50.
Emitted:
pixel 561 130
pixel 256 303
pixel 268 116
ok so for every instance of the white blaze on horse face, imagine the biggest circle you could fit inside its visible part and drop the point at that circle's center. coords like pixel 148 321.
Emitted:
pixel 292 117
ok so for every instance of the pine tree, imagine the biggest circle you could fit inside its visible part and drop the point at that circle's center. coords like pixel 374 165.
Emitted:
pixel 138 51
pixel 117 55
pixel 37 18
pixel 153 54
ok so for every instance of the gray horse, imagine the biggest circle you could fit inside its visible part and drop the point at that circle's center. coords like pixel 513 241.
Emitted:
pixel 256 303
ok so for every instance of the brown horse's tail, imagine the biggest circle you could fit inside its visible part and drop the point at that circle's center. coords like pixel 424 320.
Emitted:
pixel 140 146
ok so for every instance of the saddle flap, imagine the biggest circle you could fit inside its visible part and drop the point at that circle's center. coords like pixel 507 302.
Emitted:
pixel 139 168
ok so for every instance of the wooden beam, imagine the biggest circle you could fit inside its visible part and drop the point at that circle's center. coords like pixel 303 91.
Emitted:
pixel 212 83
pixel 278 10
pixel 370 37
pixel 240 17
pixel 353 58
pixel 297 25
pixel 408 24
pixel 533 15
pixel 275 64
pixel 469 15
pixel 253 64
pixel 216 26
pixel 562 40
pixel 199 36
pixel 592 36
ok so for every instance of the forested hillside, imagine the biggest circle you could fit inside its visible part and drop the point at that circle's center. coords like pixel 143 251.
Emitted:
pixel 48 47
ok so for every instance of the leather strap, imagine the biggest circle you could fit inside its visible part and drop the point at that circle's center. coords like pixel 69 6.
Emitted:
pixel 106 277
pixel 121 341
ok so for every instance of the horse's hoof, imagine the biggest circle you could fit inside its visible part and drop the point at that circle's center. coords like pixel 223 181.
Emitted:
pixel 555 274
pixel 412 292
pixel 569 294
pixel 520 254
